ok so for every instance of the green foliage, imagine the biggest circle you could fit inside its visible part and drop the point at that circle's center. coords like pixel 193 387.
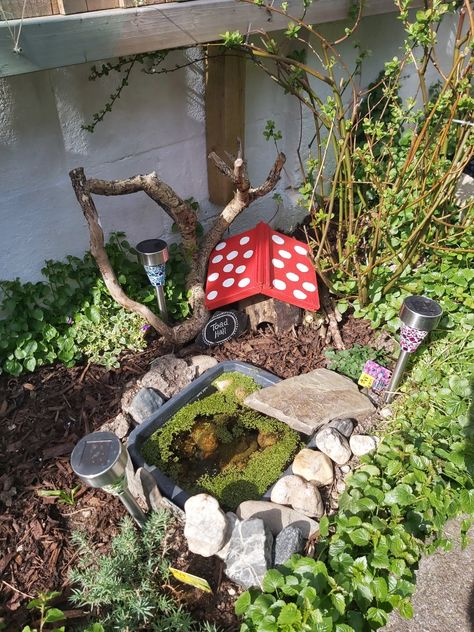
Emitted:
pixel 63 496
pixel 351 361
pixel 232 484
pixel 71 315
pixel 393 510
pixel 124 588
pixel 48 614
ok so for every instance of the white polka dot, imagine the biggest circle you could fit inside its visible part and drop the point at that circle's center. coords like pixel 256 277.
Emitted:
pixel 301 267
pixel 280 285
pixel 300 250
pixel 228 267
pixel 277 239
pixel 244 240
pixel 221 245
pixel 213 277
pixel 248 254
pixel 277 263
pixel 292 276
pixel 244 282
pixel 310 287
pixel 212 295
pixel 232 255
pixel 217 259
pixel 228 282
pixel 240 269
pixel 285 254
pixel 299 294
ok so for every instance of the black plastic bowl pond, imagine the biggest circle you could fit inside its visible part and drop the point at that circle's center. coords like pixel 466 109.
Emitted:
pixel 196 390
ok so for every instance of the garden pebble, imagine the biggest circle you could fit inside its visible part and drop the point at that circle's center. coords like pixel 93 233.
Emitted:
pixel 202 363
pixel 345 469
pixel 289 541
pixel 313 466
pixel 302 495
pixel 206 525
pixel 277 517
pixel 145 403
pixel 120 426
pixel 344 426
pixel 250 553
pixel 331 442
pixel 307 402
pixel 168 375
pixel 363 444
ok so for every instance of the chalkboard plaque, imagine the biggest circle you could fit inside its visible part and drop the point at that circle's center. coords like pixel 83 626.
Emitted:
pixel 222 326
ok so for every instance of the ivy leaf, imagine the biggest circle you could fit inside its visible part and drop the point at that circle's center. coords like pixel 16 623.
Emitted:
pixel 400 495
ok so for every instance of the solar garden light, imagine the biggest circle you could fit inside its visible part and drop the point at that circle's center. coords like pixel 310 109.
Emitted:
pixel 419 316
pixel 100 460
pixel 153 255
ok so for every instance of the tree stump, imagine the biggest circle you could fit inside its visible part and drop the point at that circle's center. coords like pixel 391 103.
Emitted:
pixel 261 309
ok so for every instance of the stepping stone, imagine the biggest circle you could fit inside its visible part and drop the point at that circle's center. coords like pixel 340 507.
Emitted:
pixel 277 517
pixel 309 401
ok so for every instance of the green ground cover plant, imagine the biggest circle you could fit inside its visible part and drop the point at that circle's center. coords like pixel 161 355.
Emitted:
pixel 124 589
pixel 223 424
pixel 71 316
pixel 350 362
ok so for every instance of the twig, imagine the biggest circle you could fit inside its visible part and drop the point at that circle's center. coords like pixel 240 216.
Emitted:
pixel 20 592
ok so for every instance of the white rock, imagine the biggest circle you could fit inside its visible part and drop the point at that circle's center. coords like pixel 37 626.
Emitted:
pixel 232 520
pixel 386 412
pixel 332 443
pixel 345 469
pixel 277 517
pixel 205 528
pixel 202 363
pixel 302 495
pixel 363 444
pixel 340 486
pixel 313 466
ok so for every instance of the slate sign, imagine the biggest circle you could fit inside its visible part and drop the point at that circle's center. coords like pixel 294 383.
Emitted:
pixel 223 326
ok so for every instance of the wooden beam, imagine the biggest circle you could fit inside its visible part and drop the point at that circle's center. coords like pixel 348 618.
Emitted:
pixel 63 40
pixel 225 116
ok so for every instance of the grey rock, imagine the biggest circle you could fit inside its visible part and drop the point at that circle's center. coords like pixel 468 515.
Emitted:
pixel 231 522
pixel 332 443
pixel 120 425
pixel 277 517
pixel 302 495
pixel 309 401
pixel 144 403
pixel 202 363
pixel 363 444
pixel 143 488
pixel 344 426
pixel 206 525
pixel 250 553
pixel 289 541
pixel 168 375
pixel 313 466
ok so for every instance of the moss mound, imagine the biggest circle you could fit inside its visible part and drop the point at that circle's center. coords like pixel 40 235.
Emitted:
pixel 219 446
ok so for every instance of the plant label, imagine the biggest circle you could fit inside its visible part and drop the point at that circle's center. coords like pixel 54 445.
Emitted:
pixel 221 327
pixel 192 580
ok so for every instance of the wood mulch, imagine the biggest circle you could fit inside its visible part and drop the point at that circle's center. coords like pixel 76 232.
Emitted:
pixel 43 415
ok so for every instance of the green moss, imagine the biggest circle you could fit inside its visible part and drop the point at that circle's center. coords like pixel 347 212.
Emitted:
pixel 231 420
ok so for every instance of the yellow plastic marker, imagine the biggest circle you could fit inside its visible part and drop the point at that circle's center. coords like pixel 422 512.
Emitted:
pixel 192 580
pixel 366 380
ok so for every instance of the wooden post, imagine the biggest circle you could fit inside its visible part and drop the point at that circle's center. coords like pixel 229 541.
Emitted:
pixel 13 9
pixel 225 115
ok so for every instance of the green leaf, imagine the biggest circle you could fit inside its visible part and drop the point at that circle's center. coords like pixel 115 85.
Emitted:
pixel 339 602
pixel 360 537
pixel 406 609
pixel 30 364
pixel 37 314
pixel 400 495
pixel 242 604
pixel 377 615
pixel 53 615
pixel 273 580
pixel 289 615
pixel 380 588
pixel 324 526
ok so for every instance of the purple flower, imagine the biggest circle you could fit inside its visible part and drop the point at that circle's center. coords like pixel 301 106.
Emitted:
pixel 146 327
pixel 69 320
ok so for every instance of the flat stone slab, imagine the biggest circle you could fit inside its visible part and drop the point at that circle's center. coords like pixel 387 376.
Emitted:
pixel 309 401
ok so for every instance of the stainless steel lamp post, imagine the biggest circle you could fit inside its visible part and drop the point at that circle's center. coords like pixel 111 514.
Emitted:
pixel 419 316
pixel 153 255
pixel 100 460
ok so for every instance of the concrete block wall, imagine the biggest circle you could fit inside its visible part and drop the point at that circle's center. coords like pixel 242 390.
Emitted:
pixel 158 125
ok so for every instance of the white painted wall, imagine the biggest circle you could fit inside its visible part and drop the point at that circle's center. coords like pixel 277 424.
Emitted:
pixel 157 125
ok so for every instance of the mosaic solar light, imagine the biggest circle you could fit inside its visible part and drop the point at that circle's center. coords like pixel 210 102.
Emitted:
pixel 419 316
pixel 100 460
pixel 153 255
pixel 261 261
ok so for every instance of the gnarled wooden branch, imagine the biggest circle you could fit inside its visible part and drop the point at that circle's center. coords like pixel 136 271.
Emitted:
pixel 185 217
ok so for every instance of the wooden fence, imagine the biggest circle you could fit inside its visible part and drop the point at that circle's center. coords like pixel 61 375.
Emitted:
pixel 13 9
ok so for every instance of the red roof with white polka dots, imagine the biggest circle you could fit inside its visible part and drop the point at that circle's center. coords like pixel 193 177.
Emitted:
pixel 261 261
